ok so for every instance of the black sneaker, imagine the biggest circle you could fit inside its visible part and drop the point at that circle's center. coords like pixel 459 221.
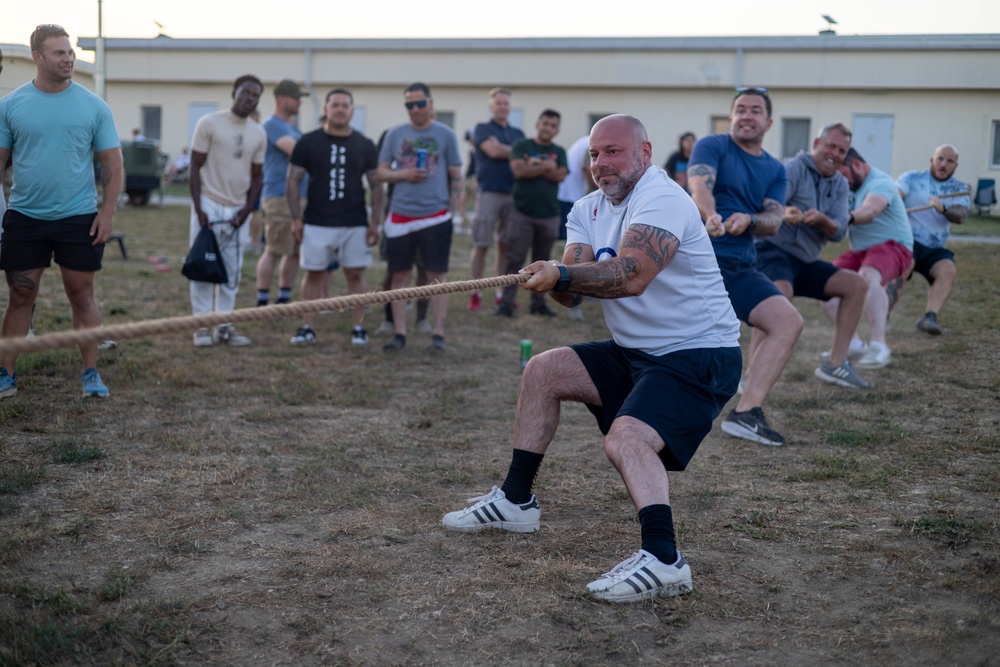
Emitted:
pixel 929 324
pixel 396 344
pixel 304 336
pixel 504 310
pixel 751 425
pixel 437 344
pixel 543 310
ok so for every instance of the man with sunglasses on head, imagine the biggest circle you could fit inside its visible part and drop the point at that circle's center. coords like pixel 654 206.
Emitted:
pixel 53 128
pixel 740 191
pixel 420 159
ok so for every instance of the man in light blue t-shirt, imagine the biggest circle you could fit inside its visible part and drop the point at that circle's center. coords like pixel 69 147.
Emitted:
pixel 935 199
pixel 53 127
pixel 881 249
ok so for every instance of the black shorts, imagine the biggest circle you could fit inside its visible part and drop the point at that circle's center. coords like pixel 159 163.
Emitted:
pixel 747 287
pixel 29 244
pixel 808 279
pixel 678 395
pixel 433 245
pixel 925 258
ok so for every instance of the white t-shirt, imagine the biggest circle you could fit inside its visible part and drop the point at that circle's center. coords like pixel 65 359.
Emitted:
pixel 686 306
pixel 574 186
pixel 231 144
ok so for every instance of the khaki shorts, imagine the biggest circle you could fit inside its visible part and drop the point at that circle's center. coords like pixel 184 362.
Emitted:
pixel 492 218
pixel 278 237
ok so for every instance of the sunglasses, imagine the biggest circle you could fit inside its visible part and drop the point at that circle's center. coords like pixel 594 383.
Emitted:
pixel 419 104
pixel 751 90
pixel 48 27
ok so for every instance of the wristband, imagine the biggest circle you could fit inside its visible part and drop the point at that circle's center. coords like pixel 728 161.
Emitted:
pixel 562 284
pixel 753 223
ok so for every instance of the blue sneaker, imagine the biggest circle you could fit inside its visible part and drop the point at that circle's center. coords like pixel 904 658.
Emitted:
pixel 8 384
pixel 92 385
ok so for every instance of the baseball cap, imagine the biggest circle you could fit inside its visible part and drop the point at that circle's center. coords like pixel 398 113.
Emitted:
pixel 289 88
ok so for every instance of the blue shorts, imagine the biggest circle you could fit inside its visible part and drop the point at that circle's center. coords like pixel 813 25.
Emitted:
pixel 29 244
pixel 678 395
pixel 808 279
pixel 926 257
pixel 432 244
pixel 746 285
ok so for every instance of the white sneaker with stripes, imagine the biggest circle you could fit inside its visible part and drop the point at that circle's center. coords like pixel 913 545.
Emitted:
pixel 642 576
pixel 493 510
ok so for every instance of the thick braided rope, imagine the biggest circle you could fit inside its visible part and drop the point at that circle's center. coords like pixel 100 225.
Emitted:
pixel 60 339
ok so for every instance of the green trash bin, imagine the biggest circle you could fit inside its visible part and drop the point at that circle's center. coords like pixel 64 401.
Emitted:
pixel 143 170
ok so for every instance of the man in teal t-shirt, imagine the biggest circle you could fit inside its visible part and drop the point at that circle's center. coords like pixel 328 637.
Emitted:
pixel 539 166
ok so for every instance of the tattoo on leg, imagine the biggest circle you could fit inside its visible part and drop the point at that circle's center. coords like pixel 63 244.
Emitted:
pixel 893 289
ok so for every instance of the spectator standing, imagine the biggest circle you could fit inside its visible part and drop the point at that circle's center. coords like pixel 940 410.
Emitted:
pixel 677 163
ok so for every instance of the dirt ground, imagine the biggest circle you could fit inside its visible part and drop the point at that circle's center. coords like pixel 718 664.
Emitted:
pixel 271 505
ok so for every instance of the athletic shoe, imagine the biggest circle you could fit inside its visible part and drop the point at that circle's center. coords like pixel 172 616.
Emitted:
pixel 751 425
pixel 475 301
pixel 92 385
pixel 493 510
pixel 359 338
pixel 423 326
pixel 202 338
pixel 8 384
pixel 642 576
pixel 304 336
pixel 504 310
pixel 227 333
pixel 843 375
pixel 107 344
pixel 575 314
pixel 929 324
pixel 543 310
pixel 437 344
pixel 878 356
pixel 396 344
pixel 387 328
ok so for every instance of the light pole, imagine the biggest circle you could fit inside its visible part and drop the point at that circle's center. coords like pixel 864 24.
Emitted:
pixel 99 69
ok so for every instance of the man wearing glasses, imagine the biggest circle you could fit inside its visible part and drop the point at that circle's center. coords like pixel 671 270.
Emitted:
pixel 53 127
pixel 420 159
pixel 740 190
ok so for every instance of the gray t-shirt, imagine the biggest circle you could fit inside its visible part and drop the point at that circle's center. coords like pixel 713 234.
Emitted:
pixel 400 150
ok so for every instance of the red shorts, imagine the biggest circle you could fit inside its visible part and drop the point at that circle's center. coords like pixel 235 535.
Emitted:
pixel 891 259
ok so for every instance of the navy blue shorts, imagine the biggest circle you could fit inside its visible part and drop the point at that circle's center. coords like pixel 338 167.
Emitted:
pixel 29 244
pixel 925 258
pixel 746 285
pixel 808 279
pixel 678 395
pixel 433 245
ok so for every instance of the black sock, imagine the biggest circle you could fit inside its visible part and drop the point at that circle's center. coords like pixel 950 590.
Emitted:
pixel 388 312
pixel 521 476
pixel 657 523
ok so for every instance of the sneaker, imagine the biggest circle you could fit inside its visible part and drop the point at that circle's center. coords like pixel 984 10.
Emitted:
pixel 504 310
pixel 423 326
pixel 437 344
pixel 8 384
pixel 387 328
pixel 396 344
pixel 359 338
pixel 543 310
pixel 929 324
pixel 878 356
pixel 475 301
pixel 494 511
pixel 843 375
pixel 575 313
pixel 202 338
pixel 107 344
pixel 642 576
pixel 92 385
pixel 304 336
pixel 751 425
pixel 227 333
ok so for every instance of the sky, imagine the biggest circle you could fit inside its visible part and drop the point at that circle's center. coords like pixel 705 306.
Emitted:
pixel 519 18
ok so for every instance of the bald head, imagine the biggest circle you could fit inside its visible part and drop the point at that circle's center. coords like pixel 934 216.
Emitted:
pixel 620 153
pixel 944 162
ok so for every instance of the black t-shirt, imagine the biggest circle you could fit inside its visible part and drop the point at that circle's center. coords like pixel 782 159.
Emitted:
pixel 336 166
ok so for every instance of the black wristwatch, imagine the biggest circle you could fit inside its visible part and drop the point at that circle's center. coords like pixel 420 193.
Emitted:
pixel 850 218
pixel 562 284
pixel 753 223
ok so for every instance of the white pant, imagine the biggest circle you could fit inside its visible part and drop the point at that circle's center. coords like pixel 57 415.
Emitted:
pixel 209 297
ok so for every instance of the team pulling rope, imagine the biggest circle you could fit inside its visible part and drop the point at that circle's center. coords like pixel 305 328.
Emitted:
pixel 61 339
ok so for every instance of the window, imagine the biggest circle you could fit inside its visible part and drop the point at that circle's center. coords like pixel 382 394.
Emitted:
pixel 446 117
pixel 360 119
pixel 995 157
pixel 720 125
pixel 592 118
pixel 152 123
pixel 794 136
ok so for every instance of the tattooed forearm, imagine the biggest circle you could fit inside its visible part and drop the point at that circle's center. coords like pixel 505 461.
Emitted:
pixel 610 279
pixel 656 243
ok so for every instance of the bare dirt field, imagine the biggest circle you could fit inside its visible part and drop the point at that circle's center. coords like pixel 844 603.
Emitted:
pixel 276 505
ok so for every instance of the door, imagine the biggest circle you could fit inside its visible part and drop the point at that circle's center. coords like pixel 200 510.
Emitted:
pixel 873 139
